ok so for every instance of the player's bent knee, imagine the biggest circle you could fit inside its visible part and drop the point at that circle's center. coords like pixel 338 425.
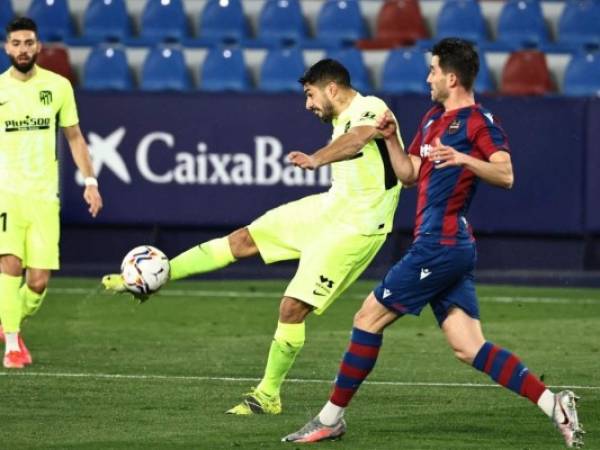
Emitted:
pixel 292 310
pixel 38 285
pixel 241 243
pixel 11 265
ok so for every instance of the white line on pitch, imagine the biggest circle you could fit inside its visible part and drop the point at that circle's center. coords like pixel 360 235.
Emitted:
pixel 240 379
pixel 267 294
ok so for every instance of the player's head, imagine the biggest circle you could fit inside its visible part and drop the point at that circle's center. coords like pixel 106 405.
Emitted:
pixel 454 64
pixel 322 83
pixel 22 45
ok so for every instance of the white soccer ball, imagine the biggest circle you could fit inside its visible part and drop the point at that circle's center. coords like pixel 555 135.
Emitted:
pixel 145 269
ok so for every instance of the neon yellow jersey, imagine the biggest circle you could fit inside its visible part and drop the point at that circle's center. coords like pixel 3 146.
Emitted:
pixel 365 190
pixel 30 113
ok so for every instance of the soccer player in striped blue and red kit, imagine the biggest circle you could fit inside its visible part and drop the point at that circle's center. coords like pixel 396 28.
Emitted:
pixel 458 143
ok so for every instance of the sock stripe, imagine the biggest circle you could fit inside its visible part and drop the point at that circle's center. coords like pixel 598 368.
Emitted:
pixel 341 396
pixel 367 351
pixel 498 363
pixel 482 356
pixel 358 361
pixel 507 369
pixel 346 382
pixel 490 358
pixel 353 372
pixel 366 338
pixel 516 381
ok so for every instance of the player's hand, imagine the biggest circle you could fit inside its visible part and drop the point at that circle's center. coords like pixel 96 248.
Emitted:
pixel 386 125
pixel 444 155
pixel 302 160
pixel 92 197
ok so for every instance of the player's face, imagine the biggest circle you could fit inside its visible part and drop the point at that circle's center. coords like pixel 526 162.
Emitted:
pixel 22 47
pixel 437 81
pixel 318 102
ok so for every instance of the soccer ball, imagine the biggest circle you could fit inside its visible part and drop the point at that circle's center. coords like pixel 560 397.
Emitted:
pixel 145 269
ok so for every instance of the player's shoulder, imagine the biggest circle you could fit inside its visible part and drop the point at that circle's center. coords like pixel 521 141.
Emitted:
pixel 483 116
pixel 5 76
pixel 53 78
pixel 372 100
pixel 432 114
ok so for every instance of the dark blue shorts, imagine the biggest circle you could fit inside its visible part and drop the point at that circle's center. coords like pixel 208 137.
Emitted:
pixel 431 273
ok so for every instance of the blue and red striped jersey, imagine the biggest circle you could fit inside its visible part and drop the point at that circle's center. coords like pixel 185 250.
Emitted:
pixel 444 195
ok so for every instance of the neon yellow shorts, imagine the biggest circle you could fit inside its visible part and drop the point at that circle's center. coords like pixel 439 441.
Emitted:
pixel 30 230
pixel 332 256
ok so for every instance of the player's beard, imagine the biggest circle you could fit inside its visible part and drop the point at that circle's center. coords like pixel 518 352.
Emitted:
pixel 23 67
pixel 328 112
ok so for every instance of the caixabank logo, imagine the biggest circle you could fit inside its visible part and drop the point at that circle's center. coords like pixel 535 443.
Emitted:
pixel 265 165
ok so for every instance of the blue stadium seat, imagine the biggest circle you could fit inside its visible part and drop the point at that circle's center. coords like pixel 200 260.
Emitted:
pixel 106 20
pixel 461 18
pixel 340 22
pixel 281 70
pixel 521 24
pixel 404 71
pixel 164 21
pixel 224 69
pixel 281 21
pixel 4 62
pixel 579 23
pixel 484 83
pixel 353 60
pixel 52 18
pixel 106 68
pixel 7 13
pixel 223 21
pixel 582 75
pixel 165 69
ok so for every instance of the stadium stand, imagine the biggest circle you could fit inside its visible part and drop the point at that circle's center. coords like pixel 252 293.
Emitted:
pixel 165 69
pixel 280 69
pixel 579 23
pixel 53 19
pixel 224 69
pixel 484 83
pixel 521 24
pixel 163 21
pixel 582 76
pixel 281 22
pixel 354 62
pixel 405 71
pixel 56 59
pixel 106 20
pixel 340 22
pixel 223 21
pixel 106 68
pixel 6 14
pixel 4 61
pixel 462 18
pixel 526 73
pixel 399 22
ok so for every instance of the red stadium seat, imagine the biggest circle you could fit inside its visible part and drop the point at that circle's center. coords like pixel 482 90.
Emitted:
pixel 526 73
pixel 56 59
pixel 399 22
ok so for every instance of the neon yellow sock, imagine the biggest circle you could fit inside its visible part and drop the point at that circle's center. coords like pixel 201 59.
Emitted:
pixel 10 303
pixel 206 257
pixel 287 343
pixel 30 301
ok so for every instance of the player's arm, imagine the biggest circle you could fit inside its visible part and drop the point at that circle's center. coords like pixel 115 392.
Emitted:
pixel 497 171
pixel 81 156
pixel 342 148
pixel 406 167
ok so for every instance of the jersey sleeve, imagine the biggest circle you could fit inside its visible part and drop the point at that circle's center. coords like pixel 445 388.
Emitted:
pixel 367 113
pixel 488 136
pixel 67 115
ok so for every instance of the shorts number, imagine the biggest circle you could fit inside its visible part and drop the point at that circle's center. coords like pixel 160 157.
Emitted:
pixel 3 217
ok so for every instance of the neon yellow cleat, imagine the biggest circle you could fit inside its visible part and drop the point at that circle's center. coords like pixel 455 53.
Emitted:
pixel 255 402
pixel 114 282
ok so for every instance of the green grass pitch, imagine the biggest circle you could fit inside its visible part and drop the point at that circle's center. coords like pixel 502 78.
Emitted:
pixel 111 374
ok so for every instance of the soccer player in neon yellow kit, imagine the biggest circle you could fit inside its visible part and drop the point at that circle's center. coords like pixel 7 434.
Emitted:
pixel 33 104
pixel 335 235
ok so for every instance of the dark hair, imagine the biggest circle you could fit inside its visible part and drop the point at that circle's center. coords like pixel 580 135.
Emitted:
pixel 325 71
pixel 460 57
pixel 21 23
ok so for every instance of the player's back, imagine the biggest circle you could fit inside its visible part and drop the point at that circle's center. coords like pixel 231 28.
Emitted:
pixel 444 195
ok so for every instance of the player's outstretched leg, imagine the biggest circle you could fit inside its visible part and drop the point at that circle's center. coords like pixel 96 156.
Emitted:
pixel 10 316
pixel 206 257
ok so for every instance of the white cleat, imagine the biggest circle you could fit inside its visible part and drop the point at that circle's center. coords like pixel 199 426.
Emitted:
pixel 315 431
pixel 565 418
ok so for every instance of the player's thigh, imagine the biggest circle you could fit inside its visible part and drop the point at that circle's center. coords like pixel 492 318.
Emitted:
pixel 330 265
pixel 282 232
pixel 425 272
pixel 13 226
pixel 43 235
